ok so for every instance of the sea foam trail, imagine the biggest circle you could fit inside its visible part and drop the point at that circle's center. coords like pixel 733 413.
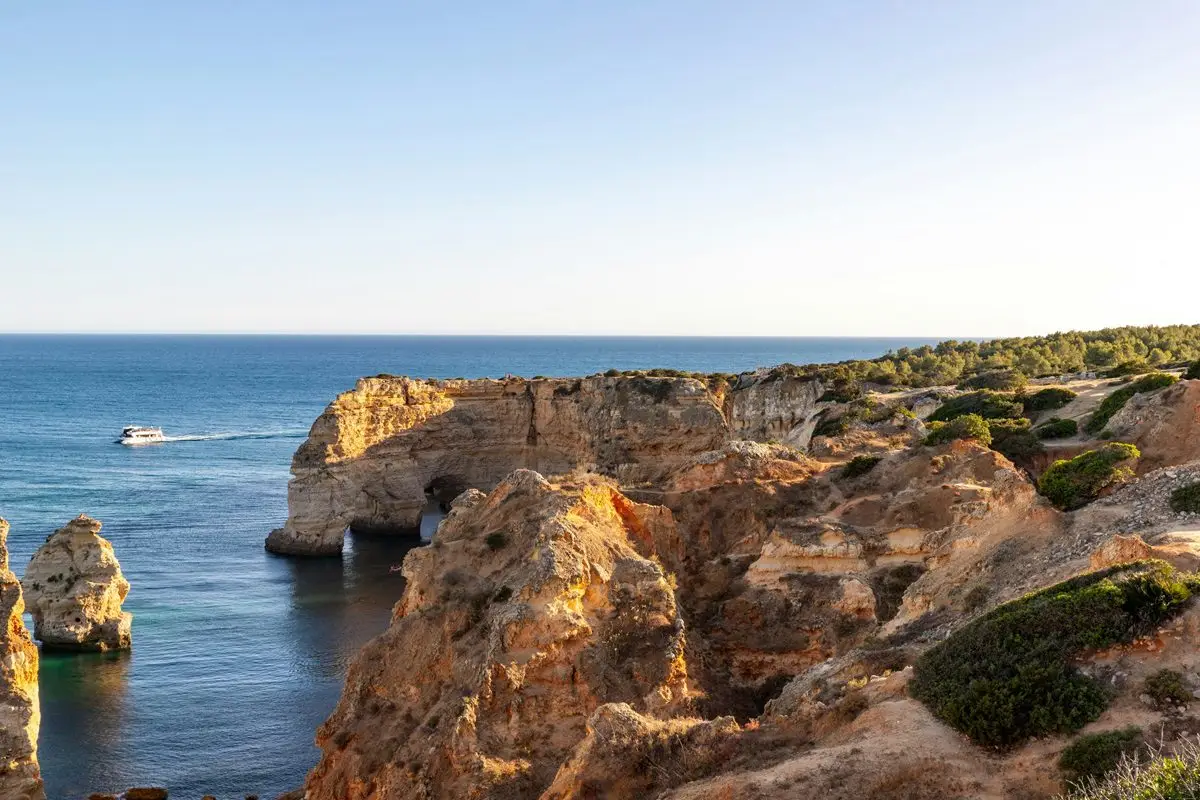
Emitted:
pixel 209 437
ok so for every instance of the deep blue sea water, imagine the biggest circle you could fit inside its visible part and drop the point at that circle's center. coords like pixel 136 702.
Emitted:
pixel 238 655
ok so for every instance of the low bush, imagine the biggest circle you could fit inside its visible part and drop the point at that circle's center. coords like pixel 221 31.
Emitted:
pixel 1167 690
pixel 1193 371
pixel 1013 438
pixel 985 403
pixel 1008 675
pixel 1055 428
pixel 842 391
pixel 1161 776
pixel 860 465
pixel 1072 483
pixel 1128 368
pixel 1117 400
pixel 969 426
pixel 1047 400
pixel 1094 754
pixel 1004 380
pixel 1186 499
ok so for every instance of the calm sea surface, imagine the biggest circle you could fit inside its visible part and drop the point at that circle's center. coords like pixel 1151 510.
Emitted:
pixel 238 655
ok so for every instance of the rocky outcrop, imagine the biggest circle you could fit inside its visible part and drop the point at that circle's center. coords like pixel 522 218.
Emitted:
pixel 74 589
pixel 393 446
pixel 532 609
pixel 1165 425
pixel 20 715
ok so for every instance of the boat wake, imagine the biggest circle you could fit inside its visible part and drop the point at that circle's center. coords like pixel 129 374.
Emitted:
pixel 214 437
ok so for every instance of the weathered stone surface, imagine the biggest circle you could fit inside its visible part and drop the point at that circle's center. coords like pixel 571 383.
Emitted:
pixel 382 453
pixel 74 589
pixel 531 610
pixel 20 715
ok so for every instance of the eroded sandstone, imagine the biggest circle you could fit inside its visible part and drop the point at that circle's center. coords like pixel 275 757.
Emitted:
pixel 20 715
pixel 390 448
pixel 74 589
pixel 532 609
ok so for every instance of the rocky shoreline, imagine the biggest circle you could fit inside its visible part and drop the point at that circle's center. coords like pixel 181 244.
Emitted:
pixel 677 587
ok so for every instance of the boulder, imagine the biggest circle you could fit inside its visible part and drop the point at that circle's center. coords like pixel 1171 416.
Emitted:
pixel 74 589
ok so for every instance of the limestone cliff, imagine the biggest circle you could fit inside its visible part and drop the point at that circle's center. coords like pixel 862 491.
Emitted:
pixel 74 588
pixel 539 650
pixel 532 609
pixel 20 715
pixel 383 452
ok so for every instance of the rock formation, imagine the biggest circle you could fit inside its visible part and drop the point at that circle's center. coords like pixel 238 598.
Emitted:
pixel 74 588
pixel 381 453
pixel 533 608
pixel 689 613
pixel 20 715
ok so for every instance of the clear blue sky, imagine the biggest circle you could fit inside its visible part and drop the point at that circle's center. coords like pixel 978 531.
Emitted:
pixel 785 168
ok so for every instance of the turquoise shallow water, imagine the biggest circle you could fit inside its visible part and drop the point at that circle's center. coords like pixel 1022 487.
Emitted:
pixel 238 656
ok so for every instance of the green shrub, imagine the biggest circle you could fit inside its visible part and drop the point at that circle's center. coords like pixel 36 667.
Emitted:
pixel 834 426
pixel 860 465
pixel 1004 380
pixel 986 404
pixel 612 373
pixel 1117 400
pixel 970 426
pixel 1048 399
pixel 1008 675
pixel 1094 754
pixel 1174 776
pixel 1186 499
pixel 1013 438
pixel 1055 428
pixel 1128 368
pixel 1154 381
pixel 1193 371
pixel 842 391
pixel 1166 689
pixel 1071 483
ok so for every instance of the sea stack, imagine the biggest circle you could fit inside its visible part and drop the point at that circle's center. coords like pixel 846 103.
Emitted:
pixel 20 778
pixel 74 588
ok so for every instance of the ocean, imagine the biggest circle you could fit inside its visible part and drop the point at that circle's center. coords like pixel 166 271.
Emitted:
pixel 237 655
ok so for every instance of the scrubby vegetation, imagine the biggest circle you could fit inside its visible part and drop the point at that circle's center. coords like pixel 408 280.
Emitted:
pixel 970 426
pixel 1094 754
pixel 1117 400
pixel 860 465
pixel 1008 675
pixel 1075 482
pixel 984 403
pixel 1014 439
pixel 1164 776
pixel 1166 689
pixel 952 362
pixel 1055 428
pixel 1186 499
pixel 1003 380
pixel 1047 400
pixel 1193 371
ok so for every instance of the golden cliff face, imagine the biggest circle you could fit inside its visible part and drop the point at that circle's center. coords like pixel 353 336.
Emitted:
pixel 20 715
pixel 384 451
pixel 533 609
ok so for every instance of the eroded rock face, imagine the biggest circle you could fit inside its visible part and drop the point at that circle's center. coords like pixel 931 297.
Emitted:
pixel 532 609
pixel 1165 425
pixel 386 450
pixel 20 715
pixel 74 589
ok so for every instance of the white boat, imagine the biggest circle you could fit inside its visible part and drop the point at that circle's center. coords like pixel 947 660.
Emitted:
pixel 136 434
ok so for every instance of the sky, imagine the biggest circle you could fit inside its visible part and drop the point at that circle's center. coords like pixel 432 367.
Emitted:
pixel 685 168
